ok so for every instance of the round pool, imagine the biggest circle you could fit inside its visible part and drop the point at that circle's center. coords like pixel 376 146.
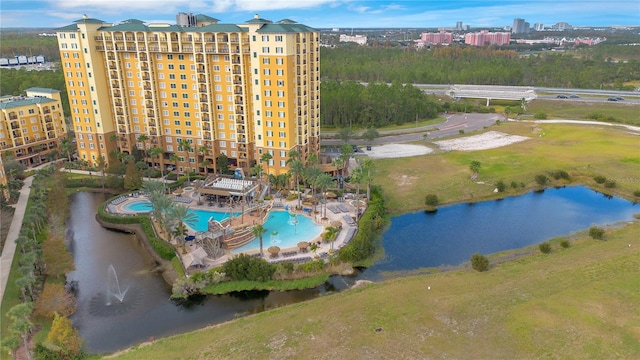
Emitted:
pixel 284 230
pixel 138 206
pixel 188 188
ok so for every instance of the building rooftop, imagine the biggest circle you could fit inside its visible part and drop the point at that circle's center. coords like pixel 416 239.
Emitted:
pixel 285 28
pixel 19 101
pixel 42 90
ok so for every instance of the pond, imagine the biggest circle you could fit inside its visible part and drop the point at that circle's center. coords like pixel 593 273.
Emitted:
pixel 413 241
pixel 452 234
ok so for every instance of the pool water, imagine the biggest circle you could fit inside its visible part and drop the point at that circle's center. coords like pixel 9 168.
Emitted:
pixel 289 233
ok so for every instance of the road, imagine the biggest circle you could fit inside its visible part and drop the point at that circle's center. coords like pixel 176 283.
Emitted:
pixel 453 125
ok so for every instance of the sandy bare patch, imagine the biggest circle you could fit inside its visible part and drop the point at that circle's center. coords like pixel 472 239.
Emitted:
pixel 404 180
pixel 396 150
pixel 488 140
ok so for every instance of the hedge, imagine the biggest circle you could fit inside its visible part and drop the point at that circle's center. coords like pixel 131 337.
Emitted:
pixel 164 249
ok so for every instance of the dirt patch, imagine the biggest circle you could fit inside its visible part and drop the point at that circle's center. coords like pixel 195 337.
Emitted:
pixel 404 180
pixel 488 140
pixel 396 150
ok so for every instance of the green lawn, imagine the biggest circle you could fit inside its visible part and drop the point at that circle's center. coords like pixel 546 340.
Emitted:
pixel 582 151
pixel 621 111
pixel 579 302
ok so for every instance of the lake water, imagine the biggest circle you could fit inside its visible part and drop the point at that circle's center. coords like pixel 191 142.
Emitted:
pixel 452 234
pixel 413 241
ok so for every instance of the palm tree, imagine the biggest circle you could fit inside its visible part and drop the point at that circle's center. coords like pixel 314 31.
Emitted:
pixel 181 216
pixel 368 169
pixel 257 171
pixel 102 166
pixel 155 152
pixel 323 182
pixel 187 147
pixel 266 157
pixel 173 157
pixel 205 164
pixel 143 139
pixel 257 231
pixel 311 175
pixel 296 168
pixel 330 234
pixel 345 154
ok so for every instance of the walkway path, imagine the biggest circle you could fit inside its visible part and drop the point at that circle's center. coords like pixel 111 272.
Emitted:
pixel 14 230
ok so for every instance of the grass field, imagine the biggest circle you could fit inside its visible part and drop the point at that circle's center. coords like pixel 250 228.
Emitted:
pixel 582 151
pixel 621 111
pixel 580 302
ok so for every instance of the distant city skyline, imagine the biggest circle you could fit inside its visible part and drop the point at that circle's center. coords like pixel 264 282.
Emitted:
pixel 344 14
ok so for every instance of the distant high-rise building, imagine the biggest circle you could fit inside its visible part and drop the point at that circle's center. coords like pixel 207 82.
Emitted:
pixel 441 37
pixel 520 26
pixel 197 93
pixel 562 26
pixel 459 25
pixel 485 37
pixel 538 27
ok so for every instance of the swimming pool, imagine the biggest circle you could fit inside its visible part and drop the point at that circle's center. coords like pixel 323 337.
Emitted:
pixel 283 229
pixel 203 215
pixel 289 233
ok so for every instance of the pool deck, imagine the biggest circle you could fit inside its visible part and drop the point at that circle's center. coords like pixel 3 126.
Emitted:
pixel 342 212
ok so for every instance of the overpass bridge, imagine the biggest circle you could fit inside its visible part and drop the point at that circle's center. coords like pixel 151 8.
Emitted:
pixel 490 92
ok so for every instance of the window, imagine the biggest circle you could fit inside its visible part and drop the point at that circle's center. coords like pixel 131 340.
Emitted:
pixel 174 104
pixel 160 66
pixel 280 82
pixel 267 71
pixel 282 134
pixel 171 67
pixel 280 93
pixel 268 113
pixel 269 143
pixel 280 72
pixel 183 77
pixel 267 103
pixel 278 38
pixel 265 37
pixel 283 162
pixel 280 104
pixel 265 49
pixel 269 133
pixel 182 67
pixel 184 86
pixel 279 61
pixel 172 76
pixel 267 93
pixel 180 57
pixel 279 50
pixel 283 144
pixel 280 114
pixel 281 124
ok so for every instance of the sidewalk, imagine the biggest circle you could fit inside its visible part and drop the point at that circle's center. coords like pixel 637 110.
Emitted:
pixel 14 230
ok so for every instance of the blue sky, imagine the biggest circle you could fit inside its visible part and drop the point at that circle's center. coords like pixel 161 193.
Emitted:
pixel 329 13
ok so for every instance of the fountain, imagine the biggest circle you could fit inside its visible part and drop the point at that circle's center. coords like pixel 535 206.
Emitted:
pixel 293 220
pixel 275 239
pixel 113 287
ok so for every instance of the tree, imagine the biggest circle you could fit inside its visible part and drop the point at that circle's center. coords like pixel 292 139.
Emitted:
pixel 205 164
pixel 266 158
pixel 323 182
pixel 431 201
pixel 66 148
pixel 475 167
pixel 311 175
pixel 64 337
pixel 222 164
pixel 21 326
pixel 345 134
pixel 181 216
pixel 187 147
pixel 132 177
pixel 370 135
pixel 330 234
pixel 55 299
pixel 143 139
pixel 258 231
pixel 479 262
pixel 56 256
pixel 257 171
pixel 296 168
pixel 102 166
pixel 596 232
pixel 156 152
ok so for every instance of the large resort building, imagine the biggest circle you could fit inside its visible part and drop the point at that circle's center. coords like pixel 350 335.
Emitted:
pixel 196 90
pixel 32 127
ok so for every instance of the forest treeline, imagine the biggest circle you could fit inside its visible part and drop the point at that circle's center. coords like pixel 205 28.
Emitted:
pixel 15 82
pixel 350 103
pixel 14 43
pixel 480 66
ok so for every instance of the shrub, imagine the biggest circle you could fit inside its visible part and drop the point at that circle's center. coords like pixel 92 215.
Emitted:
pixel 461 131
pixel 560 174
pixel 243 267
pixel 479 262
pixel 565 243
pixel 596 232
pixel 431 200
pixel 636 193
pixel 540 115
pixel 541 179
pixel 600 179
pixel 287 266
pixel 610 184
pixel 545 247
pixel 500 185
pixel 514 184
pixel 312 266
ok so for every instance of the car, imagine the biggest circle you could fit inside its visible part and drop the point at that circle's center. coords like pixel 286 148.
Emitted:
pixel 612 99
pixel 619 98
pixel 574 96
pixel 562 96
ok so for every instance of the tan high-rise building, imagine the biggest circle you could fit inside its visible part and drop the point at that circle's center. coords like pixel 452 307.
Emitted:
pixel 239 90
pixel 32 127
